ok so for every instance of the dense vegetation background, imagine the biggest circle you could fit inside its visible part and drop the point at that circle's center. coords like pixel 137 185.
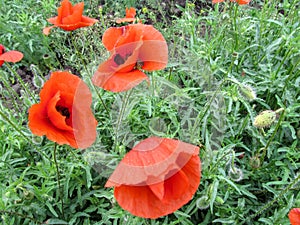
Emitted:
pixel 227 63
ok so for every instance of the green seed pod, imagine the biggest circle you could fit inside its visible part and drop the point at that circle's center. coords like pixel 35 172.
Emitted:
pixel 202 202
pixel 235 174
pixel 254 162
pixel 264 119
pixel 247 92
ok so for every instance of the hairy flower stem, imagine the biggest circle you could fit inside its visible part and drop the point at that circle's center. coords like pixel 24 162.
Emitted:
pixel 58 181
pixel 29 93
pixel 272 137
pixel 120 118
pixel 201 115
pixel 235 27
pixel 87 71
pixel 268 205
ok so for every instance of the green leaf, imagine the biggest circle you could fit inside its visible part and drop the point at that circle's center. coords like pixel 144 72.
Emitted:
pixel 56 221
pixel 52 210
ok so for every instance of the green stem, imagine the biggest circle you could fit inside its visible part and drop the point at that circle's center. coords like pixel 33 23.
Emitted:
pixel 87 71
pixel 29 93
pixel 201 115
pixel 58 181
pixel 235 27
pixel 272 137
pixel 281 194
pixel 120 118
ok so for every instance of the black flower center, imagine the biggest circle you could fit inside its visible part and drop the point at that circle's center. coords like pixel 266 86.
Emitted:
pixel 119 60
pixel 63 111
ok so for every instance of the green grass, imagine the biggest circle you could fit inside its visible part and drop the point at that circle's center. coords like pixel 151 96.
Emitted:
pixel 249 175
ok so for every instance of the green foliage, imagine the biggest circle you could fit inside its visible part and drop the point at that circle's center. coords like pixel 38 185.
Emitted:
pixel 249 175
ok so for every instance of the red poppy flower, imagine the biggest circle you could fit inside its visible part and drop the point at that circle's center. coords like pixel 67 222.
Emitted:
pixel 69 17
pixel 157 177
pixel 130 16
pixel 10 56
pixel 64 114
pixel 240 2
pixel 133 48
pixel 294 216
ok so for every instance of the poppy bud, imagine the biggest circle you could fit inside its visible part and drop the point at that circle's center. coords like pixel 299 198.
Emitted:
pixel 254 162
pixel 264 119
pixel 247 92
pixel 235 174
pixel 202 202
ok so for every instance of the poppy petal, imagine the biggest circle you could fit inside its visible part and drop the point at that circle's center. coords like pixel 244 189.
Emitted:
pixel 75 17
pixel 119 82
pixel 111 36
pixel 158 189
pixel 154 55
pixel 83 121
pixel 123 20
pixel 130 13
pixel 2 49
pixel 178 190
pixel 53 20
pixel 11 56
pixel 87 21
pixel 176 186
pixel 294 216
pixel 64 10
pixel 55 117
pixel 154 52
pixel 40 125
pixel 243 2
pixel 151 162
pixel 47 30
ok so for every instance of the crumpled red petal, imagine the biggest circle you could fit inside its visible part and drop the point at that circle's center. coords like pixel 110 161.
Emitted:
pixel 47 30
pixel 151 162
pixel 294 216
pixel 119 82
pixel 11 56
pixel 146 194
